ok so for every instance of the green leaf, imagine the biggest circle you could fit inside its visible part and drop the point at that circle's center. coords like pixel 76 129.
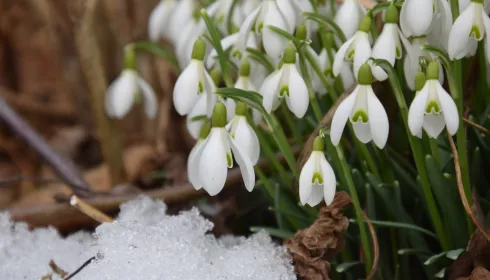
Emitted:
pixel 412 251
pixel 343 267
pixel 274 232
pixel 435 258
pixel 327 22
pixel 250 98
pixel 400 226
pixel 383 6
pixel 164 51
pixel 199 118
pixel 285 34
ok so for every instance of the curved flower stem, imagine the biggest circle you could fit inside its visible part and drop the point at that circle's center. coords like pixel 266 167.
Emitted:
pixel 343 162
pixel 417 154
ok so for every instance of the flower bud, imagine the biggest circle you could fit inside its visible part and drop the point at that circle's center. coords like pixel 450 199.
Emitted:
pixel 319 144
pixel 289 55
pixel 365 24
pixel 365 76
pixel 301 32
pixel 219 115
pixel 199 49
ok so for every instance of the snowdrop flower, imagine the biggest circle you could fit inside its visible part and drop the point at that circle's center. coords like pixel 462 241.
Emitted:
pixel 197 116
pixel 416 17
pixel 213 157
pixel 230 41
pixel 203 134
pixel 433 108
pixel 270 13
pixel 317 179
pixel 441 25
pixel 348 17
pixel 244 135
pixel 193 81
pixel 286 83
pixel 365 112
pixel 159 20
pixel 388 44
pixel 469 27
pixel 125 91
pixel 356 49
pixel 243 82
pixel 182 13
pixel 191 31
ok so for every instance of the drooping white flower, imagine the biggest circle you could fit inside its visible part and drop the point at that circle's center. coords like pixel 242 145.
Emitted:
pixel 191 31
pixel 192 82
pixel 181 15
pixel 433 108
pixel 317 179
pixel 270 13
pixel 243 82
pixel 214 156
pixel 197 116
pixel 305 6
pixel 357 49
pixel 348 17
pixel 416 17
pixel 244 135
pixel 220 11
pixel 203 134
pixel 388 45
pixel 441 24
pixel 471 26
pixel 286 83
pixel 415 55
pixel 158 24
pixel 365 112
pixel 326 66
pixel 123 93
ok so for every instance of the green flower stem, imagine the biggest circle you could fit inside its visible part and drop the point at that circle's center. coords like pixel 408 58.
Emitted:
pixel 417 153
pixel 270 155
pixel 216 40
pixel 290 122
pixel 434 148
pixel 357 207
pixel 343 163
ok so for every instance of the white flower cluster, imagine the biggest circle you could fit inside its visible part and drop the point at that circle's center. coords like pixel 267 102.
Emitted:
pixel 253 25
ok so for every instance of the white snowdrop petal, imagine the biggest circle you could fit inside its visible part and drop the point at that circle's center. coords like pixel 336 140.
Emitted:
pixel 274 44
pixel 434 124
pixel 362 52
pixel 226 43
pixel 181 13
pixel 230 105
pixel 186 89
pixel 269 90
pixel 156 21
pixel 247 140
pixel 246 166
pixel 305 179
pixel 194 127
pixel 124 90
pixel 316 195
pixel 385 48
pixel 341 116
pixel 150 102
pixel 289 12
pixel 213 166
pixel 348 17
pixel 329 181
pixel 362 131
pixel 378 120
pixel 449 109
pixel 347 76
pixel 298 99
pixel 486 23
pixel 210 88
pixel 338 62
pixel 416 17
pixel 460 33
pixel 193 164
pixel 417 111
pixel 245 29
pixel 109 97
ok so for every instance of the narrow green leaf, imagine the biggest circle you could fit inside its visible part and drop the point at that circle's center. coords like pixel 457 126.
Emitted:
pixel 400 226
pixel 250 98
pixel 261 58
pixel 163 51
pixel 274 232
pixel 285 34
pixel 412 251
pixel 343 267
pixel 435 258
pixel 199 118
pixel 327 22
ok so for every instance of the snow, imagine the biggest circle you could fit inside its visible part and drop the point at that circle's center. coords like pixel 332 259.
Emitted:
pixel 142 243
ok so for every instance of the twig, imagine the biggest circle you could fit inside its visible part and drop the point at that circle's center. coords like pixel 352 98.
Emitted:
pixel 90 211
pixel 56 269
pixel 80 268
pixel 62 166
pixel 462 195
pixel 477 126
pixel 375 246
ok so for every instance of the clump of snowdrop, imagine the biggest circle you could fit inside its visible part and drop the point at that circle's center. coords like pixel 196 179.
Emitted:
pixel 356 50
pixel 470 27
pixel 317 179
pixel 211 160
pixel 432 108
pixel 286 83
pixel 129 88
pixel 388 45
pixel 243 133
pixel 193 82
pixel 364 110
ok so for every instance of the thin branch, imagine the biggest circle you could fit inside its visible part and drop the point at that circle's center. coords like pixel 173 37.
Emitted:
pixel 90 211
pixel 462 195
pixel 477 126
pixel 375 246
pixel 80 268
pixel 63 167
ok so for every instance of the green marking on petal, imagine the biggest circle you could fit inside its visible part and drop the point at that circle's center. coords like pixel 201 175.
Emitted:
pixel 237 54
pixel 360 116
pixel 432 107
pixel 284 91
pixel 328 72
pixel 398 52
pixel 201 87
pixel 229 160
pixel 261 26
pixel 220 18
pixel 351 54
pixel 317 178
pixel 475 32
